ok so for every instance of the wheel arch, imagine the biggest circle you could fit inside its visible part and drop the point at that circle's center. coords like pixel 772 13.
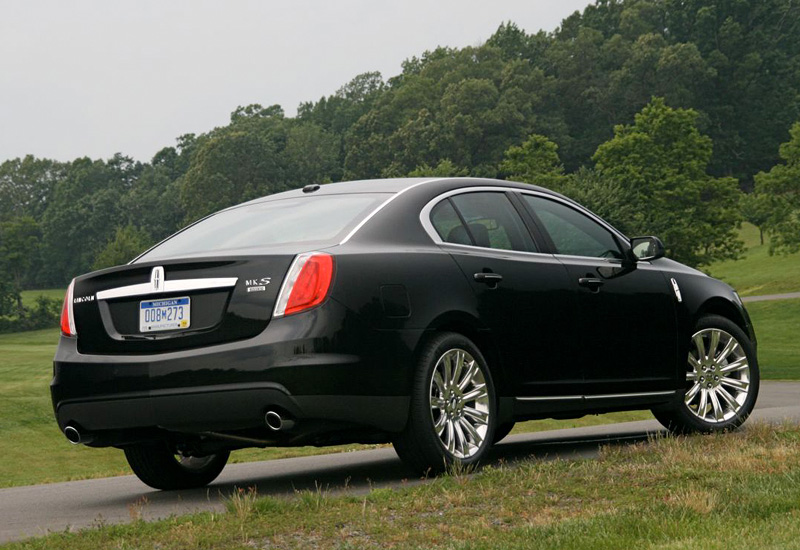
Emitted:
pixel 723 308
pixel 470 327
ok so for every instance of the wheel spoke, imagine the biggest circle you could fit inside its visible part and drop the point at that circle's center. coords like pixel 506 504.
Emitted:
pixel 694 363
pixel 739 364
pixel 473 434
pixel 475 414
pixel 739 385
pixel 438 382
pixel 456 375
pixel 469 374
pixel 692 393
pixel 728 399
pixel 440 424
pixel 713 344
pixel 716 406
pixel 729 348
pixel 476 394
pixel 461 439
pixel 701 408
pixel 700 346
pixel 449 436
pixel 691 376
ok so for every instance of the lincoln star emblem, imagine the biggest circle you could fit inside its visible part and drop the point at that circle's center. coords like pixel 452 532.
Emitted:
pixel 157 279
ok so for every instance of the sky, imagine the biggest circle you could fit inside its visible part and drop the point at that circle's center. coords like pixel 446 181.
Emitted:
pixel 93 78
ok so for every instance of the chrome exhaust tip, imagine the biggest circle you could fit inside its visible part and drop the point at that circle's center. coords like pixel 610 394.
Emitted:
pixel 276 422
pixel 72 434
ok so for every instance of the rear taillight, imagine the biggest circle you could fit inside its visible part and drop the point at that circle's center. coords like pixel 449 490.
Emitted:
pixel 67 316
pixel 306 285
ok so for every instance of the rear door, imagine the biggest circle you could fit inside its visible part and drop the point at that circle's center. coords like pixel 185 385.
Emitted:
pixel 625 329
pixel 521 293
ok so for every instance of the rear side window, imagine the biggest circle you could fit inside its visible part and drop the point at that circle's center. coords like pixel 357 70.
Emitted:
pixel 573 233
pixel 250 228
pixel 491 222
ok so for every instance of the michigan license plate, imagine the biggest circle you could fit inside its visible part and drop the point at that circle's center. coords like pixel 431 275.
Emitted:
pixel 169 314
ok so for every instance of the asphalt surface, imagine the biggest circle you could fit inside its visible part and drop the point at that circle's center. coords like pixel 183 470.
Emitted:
pixel 767 297
pixel 39 509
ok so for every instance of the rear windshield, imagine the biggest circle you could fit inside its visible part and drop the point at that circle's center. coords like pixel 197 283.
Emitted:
pixel 251 228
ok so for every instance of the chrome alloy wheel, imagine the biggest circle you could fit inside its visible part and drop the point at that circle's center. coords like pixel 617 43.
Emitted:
pixel 459 401
pixel 720 375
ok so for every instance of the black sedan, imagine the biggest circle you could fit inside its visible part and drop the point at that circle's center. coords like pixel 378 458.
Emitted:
pixel 430 313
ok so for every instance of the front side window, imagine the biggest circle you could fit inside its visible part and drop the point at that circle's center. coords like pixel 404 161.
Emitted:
pixel 573 233
pixel 485 219
pixel 250 228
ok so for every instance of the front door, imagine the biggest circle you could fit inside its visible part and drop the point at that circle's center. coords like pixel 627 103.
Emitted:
pixel 627 328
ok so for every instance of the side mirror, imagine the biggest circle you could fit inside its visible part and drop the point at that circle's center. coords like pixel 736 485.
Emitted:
pixel 646 248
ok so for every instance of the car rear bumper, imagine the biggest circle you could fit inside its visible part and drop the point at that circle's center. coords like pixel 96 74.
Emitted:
pixel 302 374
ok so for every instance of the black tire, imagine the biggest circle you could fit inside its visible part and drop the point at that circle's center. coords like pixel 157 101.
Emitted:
pixel 158 466
pixel 419 445
pixel 501 431
pixel 682 418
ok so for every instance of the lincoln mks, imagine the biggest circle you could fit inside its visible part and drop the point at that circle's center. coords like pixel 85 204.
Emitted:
pixel 429 313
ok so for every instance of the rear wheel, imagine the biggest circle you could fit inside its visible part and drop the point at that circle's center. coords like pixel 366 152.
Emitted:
pixel 452 413
pixel 722 380
pixel 158 466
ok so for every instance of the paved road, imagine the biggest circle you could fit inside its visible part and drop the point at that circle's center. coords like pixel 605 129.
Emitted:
pixel 35 510
pixel 767 297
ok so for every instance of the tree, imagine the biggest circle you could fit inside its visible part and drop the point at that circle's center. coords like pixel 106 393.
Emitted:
pixel 758 209
pixel 19 243
pixel 128 242
pixel 782 187
pixel 661 162
pixel 535 161
pixel 443 169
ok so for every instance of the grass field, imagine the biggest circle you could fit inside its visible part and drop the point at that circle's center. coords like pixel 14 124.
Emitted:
pixel 758 273
pixel 744 493
pixel 29 296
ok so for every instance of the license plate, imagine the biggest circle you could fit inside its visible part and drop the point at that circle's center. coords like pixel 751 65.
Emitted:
pixel 168 314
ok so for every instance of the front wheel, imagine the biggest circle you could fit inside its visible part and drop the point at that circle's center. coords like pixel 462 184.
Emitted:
pixel 158 466
pixel 722 380
pixel 453 407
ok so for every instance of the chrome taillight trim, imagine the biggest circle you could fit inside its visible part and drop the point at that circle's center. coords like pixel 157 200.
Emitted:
pixel 181 285
pixel 70 309
pixel 289 281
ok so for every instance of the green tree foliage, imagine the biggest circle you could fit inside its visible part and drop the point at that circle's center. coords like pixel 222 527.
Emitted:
pixel 82 215
pixel 535 161
pixel 443 169
pixel 781 187
pixel 128 242
pixel 661 162
pixel 19 244
pixel 236 163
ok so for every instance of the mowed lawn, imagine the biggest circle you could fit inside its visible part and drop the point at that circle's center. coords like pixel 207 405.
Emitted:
pixel 757 273
pixel 34 451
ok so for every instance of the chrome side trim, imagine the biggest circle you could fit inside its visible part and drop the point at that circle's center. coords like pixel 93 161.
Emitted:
pixel 168 286
pixel 425 213
pixel 602 396
pixel 552 398
pixel 623 395
pixel 383 204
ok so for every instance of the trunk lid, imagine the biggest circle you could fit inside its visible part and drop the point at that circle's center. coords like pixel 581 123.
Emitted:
pixel 220 300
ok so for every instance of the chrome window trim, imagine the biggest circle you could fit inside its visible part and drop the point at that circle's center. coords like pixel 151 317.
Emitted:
pixel 180 285
pixel 425 218
pixel 384 204
pixel 599 396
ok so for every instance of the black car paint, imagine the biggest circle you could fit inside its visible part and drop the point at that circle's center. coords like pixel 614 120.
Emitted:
pixel 343 370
